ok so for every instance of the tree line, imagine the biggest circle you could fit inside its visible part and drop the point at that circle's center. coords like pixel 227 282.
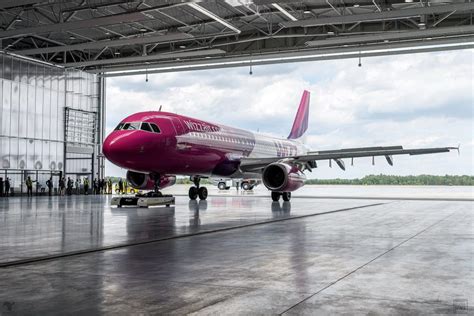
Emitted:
pixel 382 179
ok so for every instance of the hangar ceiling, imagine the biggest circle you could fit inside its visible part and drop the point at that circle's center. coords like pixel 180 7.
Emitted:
pixel 116 37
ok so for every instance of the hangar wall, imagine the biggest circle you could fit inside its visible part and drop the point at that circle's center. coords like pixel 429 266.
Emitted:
pixel 35 136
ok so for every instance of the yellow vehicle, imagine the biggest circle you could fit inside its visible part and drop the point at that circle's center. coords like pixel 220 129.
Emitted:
pixel 126 189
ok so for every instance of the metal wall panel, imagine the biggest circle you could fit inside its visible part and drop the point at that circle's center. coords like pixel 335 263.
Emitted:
pixel 34 97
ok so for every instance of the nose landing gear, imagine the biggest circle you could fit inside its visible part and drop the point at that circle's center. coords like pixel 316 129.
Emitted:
pixel 196 191
pixel 276 196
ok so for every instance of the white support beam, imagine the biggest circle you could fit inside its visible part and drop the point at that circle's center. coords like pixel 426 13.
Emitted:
pixel 147 58
pixel 109 43
pixel 208 13
pixel 395 36
pixel 379 49
pixel 379 16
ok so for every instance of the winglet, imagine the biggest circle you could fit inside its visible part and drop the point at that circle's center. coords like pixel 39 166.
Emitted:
pixel 300 124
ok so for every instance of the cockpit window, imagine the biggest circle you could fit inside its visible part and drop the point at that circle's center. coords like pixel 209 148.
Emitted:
pixel 155 128
pixel 146 127
pixel 119 127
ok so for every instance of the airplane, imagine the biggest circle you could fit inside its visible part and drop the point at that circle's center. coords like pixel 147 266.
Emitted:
pixel 156 146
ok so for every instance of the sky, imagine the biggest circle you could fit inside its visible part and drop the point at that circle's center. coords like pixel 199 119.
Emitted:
pixel 417 100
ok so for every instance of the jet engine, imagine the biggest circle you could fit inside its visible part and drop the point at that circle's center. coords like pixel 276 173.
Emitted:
pixel 282 177
pixel 143 181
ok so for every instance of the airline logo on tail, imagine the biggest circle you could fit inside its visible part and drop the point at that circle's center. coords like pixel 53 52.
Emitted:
pixel 300 125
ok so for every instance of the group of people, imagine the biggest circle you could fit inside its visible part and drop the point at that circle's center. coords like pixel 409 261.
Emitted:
pixel 5 186
pixel 65 186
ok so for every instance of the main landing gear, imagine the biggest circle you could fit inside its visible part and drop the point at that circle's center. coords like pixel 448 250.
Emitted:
pixel 196 191
pixel 276 196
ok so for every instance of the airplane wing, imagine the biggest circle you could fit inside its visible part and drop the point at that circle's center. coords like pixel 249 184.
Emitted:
pixel 309 160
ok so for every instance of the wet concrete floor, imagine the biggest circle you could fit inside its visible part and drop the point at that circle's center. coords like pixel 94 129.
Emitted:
pixel 236 255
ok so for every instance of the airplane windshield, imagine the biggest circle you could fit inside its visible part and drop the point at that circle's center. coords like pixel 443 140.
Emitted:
pixel 144 126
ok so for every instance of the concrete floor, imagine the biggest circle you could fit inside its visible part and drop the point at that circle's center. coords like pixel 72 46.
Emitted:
pixel 236 255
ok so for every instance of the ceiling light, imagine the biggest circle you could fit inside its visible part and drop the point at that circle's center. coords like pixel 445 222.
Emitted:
pixel 286 13
pixel 107 33
pixel 307 12
pixel 18 19
pixel 143 30
pixel 204 11
pixel 385 41
pixel 182 46
pixel 117 53
pixel 330 33
pixel 356 5
pixel 72 37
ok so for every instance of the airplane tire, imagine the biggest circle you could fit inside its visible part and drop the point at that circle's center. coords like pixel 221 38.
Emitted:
pixel 221 186
pixel 286 196
pixel 246 186
pixel 202 192
pixel 193 193
pixel 276 196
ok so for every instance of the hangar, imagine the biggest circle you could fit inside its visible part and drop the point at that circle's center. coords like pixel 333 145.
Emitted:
pixel 57 55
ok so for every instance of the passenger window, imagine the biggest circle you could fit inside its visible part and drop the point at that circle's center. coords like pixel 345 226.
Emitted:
pixel 146 127
pixel 126 126
pixel 155 128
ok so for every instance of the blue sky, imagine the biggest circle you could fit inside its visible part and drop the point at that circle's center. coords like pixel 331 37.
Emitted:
pixel 418 100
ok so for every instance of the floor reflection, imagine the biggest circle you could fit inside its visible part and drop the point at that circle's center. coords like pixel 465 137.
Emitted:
pixel 281 210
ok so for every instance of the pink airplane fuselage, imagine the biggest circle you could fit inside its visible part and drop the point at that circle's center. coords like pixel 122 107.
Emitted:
pixel 188 146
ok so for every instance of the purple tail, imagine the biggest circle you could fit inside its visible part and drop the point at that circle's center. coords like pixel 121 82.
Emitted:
pixel 300 125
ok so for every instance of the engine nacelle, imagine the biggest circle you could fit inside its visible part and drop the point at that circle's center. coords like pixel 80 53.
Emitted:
pixel 282 177
pixel 143 181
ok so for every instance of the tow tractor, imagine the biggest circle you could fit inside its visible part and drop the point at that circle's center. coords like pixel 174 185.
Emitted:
pixel 152 198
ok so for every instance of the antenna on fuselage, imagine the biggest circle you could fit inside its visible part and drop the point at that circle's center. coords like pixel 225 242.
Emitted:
pixel 159 110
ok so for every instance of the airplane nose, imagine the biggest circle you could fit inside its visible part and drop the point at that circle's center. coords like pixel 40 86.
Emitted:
pixel 114 148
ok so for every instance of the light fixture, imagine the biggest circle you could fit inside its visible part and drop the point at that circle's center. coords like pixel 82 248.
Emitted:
pixel 182 46
pixel 307 12
pixel 385 41
pixel 330 33
pixel 204 11
pixel 143 30
pixel 72 37
pixel 18 19
pixel 285 12
pixel 107 33
pixel 356 5
pixel 117 53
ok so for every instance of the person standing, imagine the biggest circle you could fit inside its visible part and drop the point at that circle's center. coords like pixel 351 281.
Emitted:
pixel 69 186
pixel 86 186
pixel 29 186
pixel 109 186
pixel 61 186
pixel 120 186
pixel 77 186
pixel 125 186
pixel 7 186
pixel 1 186
pixel 49 184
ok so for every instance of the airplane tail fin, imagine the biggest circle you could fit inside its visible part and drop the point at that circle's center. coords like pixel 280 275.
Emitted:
pixel 300 125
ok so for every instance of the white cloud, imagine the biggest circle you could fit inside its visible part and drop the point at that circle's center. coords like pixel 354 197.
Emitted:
pixel 410 100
